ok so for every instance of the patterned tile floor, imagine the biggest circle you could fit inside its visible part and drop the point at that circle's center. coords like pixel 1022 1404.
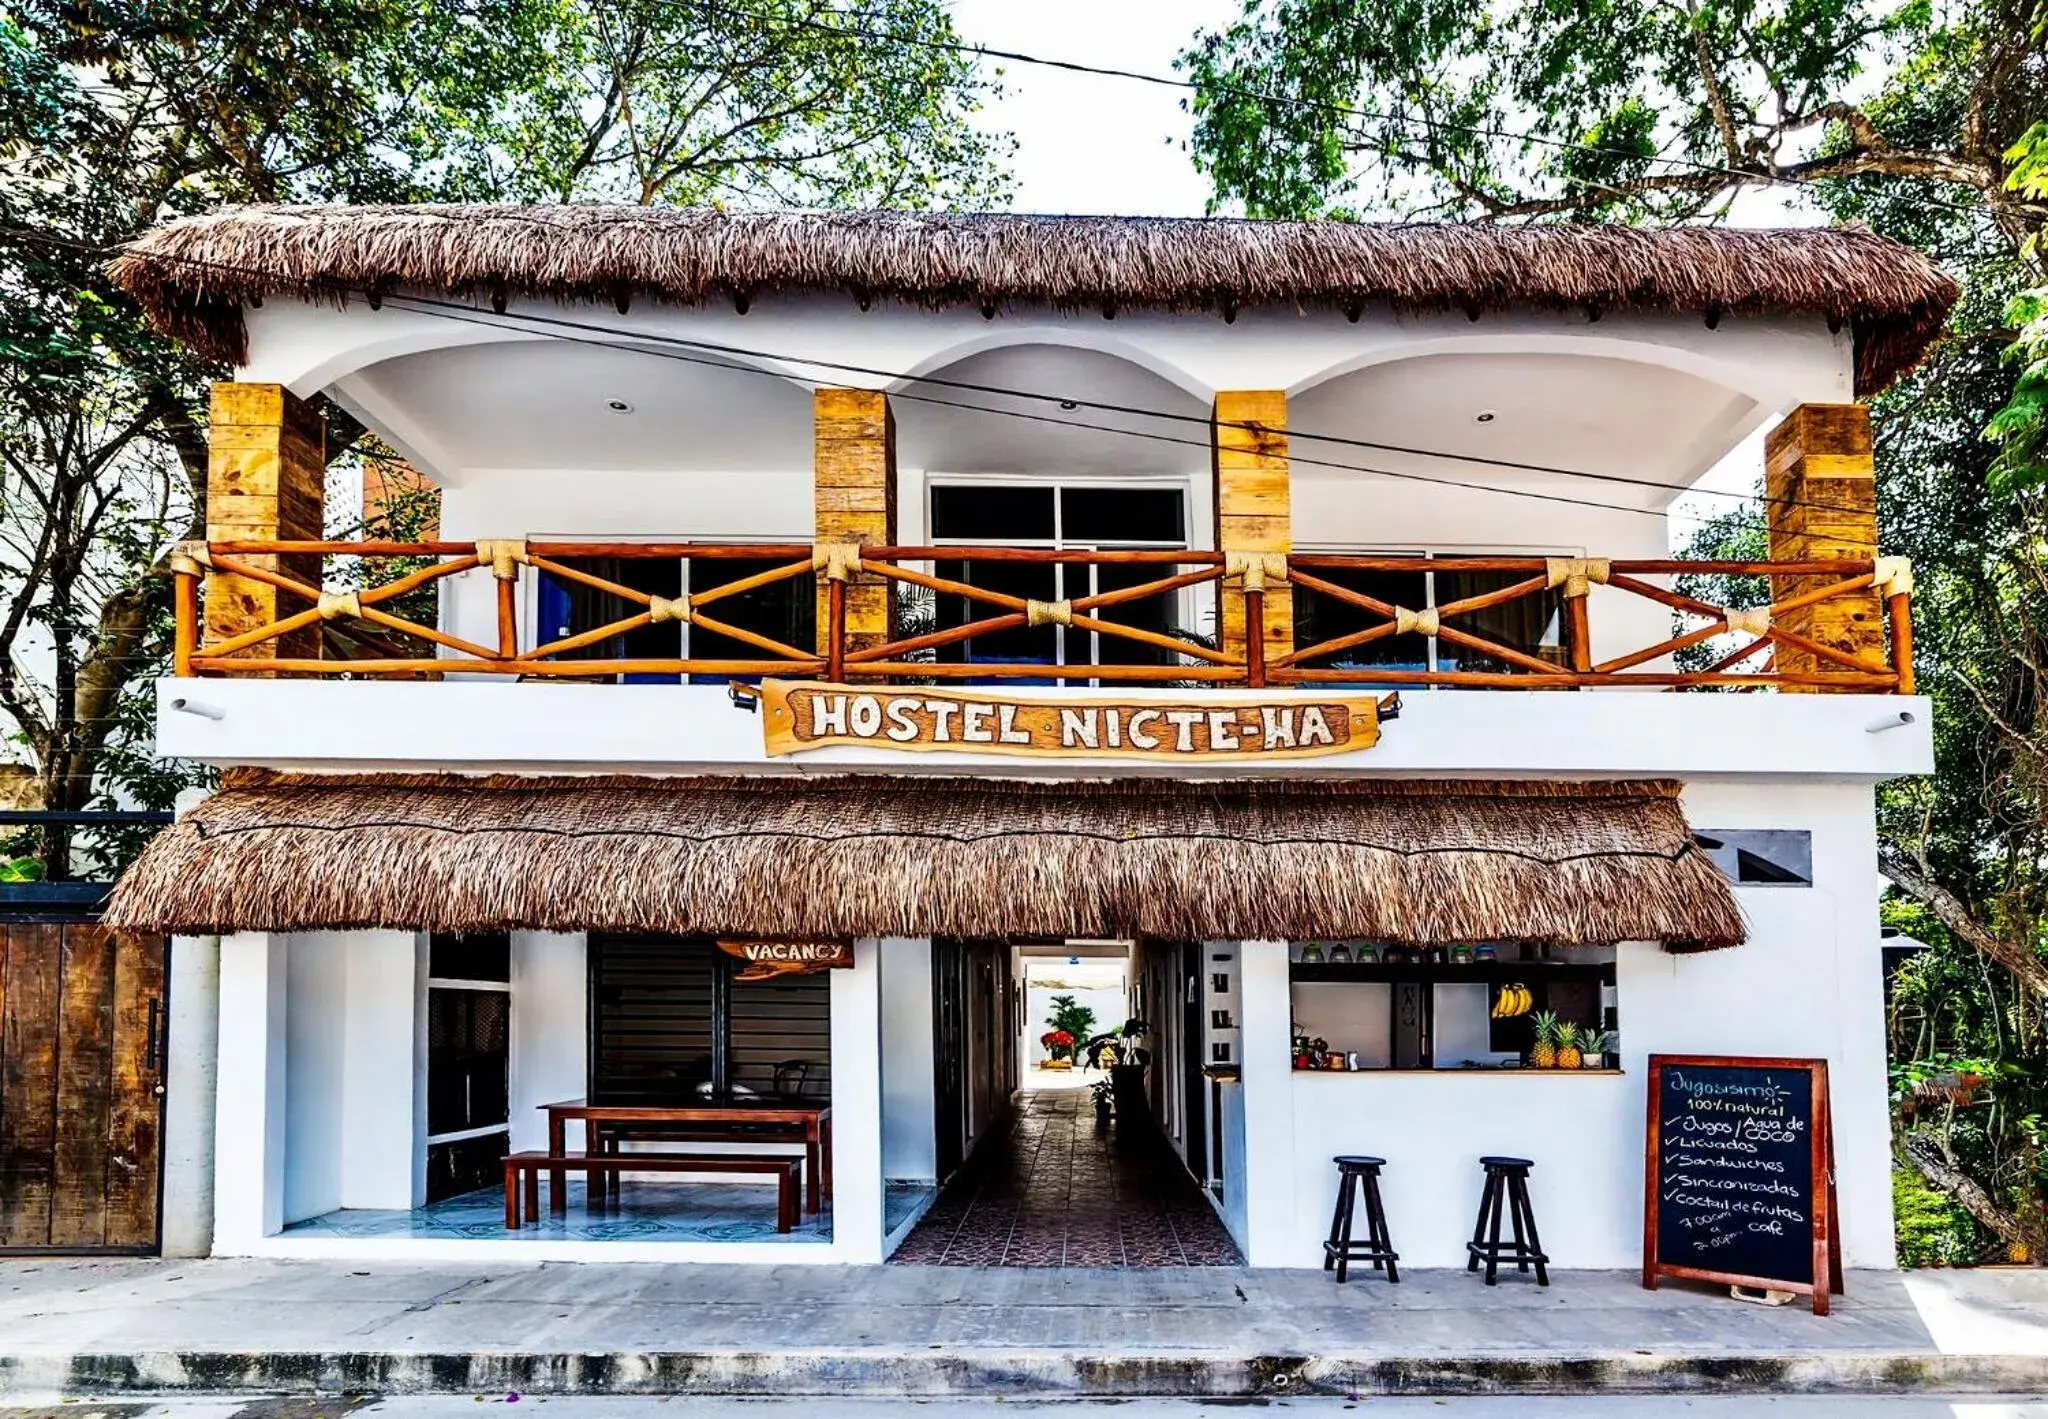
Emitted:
pixel 899 1200
pixel 647 1212
pixel 1053 1192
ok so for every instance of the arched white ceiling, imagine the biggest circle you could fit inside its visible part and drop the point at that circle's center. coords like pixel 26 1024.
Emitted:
pixel 547 404
pixel 942 427
pixel 1583 413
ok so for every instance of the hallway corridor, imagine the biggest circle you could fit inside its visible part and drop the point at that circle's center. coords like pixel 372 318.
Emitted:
pixel 1052 1192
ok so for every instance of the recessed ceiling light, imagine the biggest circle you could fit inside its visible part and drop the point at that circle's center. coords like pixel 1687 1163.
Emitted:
pixel 1484 416
pixel 618 406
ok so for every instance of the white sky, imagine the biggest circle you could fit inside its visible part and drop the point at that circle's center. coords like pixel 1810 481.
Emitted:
pixel 1086 143
pixel 1093 144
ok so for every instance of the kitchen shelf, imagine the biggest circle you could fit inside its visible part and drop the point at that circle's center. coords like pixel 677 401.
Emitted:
pixel 1484 1072
pixel 1451 972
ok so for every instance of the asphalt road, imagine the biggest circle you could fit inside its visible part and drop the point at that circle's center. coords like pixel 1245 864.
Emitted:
pixel 1612 1407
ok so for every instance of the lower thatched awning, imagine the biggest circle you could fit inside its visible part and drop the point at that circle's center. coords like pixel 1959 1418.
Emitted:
pixel 1416 862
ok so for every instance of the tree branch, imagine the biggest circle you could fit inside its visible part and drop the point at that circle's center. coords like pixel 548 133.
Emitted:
pixel 1910 875
pixel 1922 1152
pixel 1717 98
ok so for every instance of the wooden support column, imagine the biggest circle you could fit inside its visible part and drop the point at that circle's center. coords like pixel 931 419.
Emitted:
pixel 855 500
pixel 265 480
pixel 1820 491
pixel 1253 512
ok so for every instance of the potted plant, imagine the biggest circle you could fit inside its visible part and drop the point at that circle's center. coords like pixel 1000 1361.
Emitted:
pixel 1127 1058
pixel 1059 1049
pixel 1071 1022
pixel 1599 1047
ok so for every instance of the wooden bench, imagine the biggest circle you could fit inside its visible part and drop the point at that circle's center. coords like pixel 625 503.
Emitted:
pixel 606 1138
pixel 788 1172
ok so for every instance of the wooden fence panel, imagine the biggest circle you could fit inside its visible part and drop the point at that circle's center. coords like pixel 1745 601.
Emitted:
pixel 141 1035
pixel 28 1085
pixel 85 1020
pixel 81 1101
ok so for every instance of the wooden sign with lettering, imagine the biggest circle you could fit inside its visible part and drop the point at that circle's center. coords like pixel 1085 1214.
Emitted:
pixel 769 959
pixel 1740 1175
pixel 1097 724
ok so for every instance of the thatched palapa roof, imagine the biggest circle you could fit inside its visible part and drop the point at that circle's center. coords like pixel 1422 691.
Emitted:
pixel 195 275
pixel 1424 863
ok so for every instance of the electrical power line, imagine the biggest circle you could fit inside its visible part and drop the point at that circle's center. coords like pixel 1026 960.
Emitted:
pixel 1741 176
pixel 633 342
pixel 617 338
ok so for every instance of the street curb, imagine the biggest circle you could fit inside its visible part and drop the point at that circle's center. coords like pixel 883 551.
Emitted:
pixel 1014 1373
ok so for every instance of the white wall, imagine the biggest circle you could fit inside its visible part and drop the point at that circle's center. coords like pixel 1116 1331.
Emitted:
pixel 909 1080
pixel 355 1061
pixel 550 1030
pixel 268 1128
pixel 352 1068
pixel 857 1230
pixel 423 725
pixel 1807 984
pixel 1232 1199
pixel 1265 1024
pixel 383 1101
pixel 191 1080
pixel 249 1111
pixel 1354 1018
pixel 317 1016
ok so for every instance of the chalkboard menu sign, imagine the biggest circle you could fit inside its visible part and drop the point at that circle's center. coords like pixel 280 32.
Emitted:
pixel 1740 1175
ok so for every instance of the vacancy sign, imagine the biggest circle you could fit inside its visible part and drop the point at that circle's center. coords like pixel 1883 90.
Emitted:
pixel 801 716
pixel 765 960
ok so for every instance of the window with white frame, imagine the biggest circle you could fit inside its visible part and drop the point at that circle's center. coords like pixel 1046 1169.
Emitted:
pixel 469 1050
pixel 783 611
pixel 1530 624
pixel 1065 515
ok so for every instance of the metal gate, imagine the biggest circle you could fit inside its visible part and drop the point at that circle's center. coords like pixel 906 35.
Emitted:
pixel 82 1048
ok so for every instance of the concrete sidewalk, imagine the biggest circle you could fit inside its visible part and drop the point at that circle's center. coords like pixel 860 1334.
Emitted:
pixel 544 1329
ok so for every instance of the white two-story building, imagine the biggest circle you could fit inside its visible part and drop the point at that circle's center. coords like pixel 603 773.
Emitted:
pixel 1285 609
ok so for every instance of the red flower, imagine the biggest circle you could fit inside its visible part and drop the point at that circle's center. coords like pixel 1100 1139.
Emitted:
pixel 1056 1039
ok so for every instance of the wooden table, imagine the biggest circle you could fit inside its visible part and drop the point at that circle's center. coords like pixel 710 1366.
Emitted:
pixel 733 1122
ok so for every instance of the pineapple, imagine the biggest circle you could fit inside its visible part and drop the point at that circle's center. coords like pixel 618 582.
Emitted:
pixel 1570 1047
pixel 1544 1055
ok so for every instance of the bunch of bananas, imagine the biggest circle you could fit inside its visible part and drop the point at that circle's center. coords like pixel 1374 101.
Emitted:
pixel 1513 1000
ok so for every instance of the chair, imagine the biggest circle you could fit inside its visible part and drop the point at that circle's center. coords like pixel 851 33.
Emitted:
pixel 791 1077
pixel 1507 1185
pixel 1358 1174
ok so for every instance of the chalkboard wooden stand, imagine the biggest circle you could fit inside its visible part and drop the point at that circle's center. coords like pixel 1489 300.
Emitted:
pixel 1733 1229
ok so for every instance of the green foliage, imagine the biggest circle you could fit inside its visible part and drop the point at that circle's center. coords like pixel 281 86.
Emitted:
pixel 1924 121
pixel 1068 1014
pixel 1931 1230
pixel 2021 427
pixel 118 114
pixel 1737 535
pixel 1546 106
pixel 409 514
pixel 771 101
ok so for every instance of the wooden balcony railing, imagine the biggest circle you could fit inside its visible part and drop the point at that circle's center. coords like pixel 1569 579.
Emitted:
pixel 1767 649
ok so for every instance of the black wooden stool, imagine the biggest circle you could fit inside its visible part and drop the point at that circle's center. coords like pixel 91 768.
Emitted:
pixel 1356 1175
pixel 1507 1183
